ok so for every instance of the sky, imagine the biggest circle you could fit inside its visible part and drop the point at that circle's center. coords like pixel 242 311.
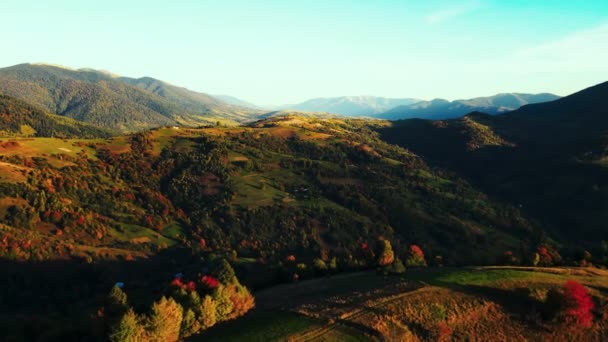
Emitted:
pixel 280 52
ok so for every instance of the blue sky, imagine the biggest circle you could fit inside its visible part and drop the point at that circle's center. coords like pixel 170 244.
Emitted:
pixel 276 52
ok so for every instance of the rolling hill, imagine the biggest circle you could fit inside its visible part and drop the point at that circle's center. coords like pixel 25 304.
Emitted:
pixel 350 105
pixel 440 109
pixel 114 102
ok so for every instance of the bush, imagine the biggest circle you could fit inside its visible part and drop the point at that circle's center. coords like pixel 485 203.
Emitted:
pixel 396 267
pixel 415 257
pixel 571 304
pixel 578 303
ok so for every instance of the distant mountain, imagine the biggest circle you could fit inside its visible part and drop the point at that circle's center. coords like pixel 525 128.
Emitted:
pixel 237 102
pixel 440 109
pixel 350 105
pixel 20 119
pixel 110 101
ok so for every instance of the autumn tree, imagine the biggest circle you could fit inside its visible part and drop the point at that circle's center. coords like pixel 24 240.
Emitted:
pixel 224 305
pixel 208 310
pixel 415 257
pixel 386 256
pixel 127 329
pixel 164 321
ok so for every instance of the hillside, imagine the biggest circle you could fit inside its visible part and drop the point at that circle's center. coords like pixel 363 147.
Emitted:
pixel 539 157
pixel 19 119
pixel 284 199
pixel 350 105
pixel 288 188
pixel 440 109
pixel 109 101
pixel 237 102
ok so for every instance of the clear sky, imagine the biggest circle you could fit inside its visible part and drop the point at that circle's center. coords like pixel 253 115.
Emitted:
pixel 277 52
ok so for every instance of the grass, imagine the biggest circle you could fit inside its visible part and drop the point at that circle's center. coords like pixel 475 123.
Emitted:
pixel 439 304
pixel 286 326
pixel 139 234
pixel 255 190
pixel 51 146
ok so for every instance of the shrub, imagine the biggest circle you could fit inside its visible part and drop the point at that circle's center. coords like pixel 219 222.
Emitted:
pixel 415 257
pixel 320 266
pixel 571 304
pixel 578 304
pixel 396 267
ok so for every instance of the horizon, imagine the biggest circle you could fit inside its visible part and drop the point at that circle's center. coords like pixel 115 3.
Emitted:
pixel 270 53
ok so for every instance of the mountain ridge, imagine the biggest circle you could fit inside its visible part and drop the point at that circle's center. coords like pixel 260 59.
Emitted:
pixel 120 103
pixel 439 109
pixel 349 105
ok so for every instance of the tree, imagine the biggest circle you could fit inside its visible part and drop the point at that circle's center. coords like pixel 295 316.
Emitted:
pixel 224 272
pixel 224 305
pixel 128 329
pixel 386 256
pixel 164 322
pixel 115 305
pixel 415 257
pixel 208 312
pixel 320 266
pixel 242 300
pixel 190 325
pixel 396 267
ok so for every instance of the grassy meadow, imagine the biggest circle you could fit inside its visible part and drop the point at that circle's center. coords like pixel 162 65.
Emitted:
pixel 436 304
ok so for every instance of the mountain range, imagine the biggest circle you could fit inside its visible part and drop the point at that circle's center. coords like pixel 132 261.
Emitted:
pixel 350 105
pixel 439 109
pixel 128 104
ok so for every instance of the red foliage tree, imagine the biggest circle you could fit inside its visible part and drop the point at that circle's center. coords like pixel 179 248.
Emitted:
pixel 190 286
pixel 177 282
pixel 579 305
pixel 210 282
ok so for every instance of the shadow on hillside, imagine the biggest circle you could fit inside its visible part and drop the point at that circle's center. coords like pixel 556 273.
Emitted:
pixel 57 300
